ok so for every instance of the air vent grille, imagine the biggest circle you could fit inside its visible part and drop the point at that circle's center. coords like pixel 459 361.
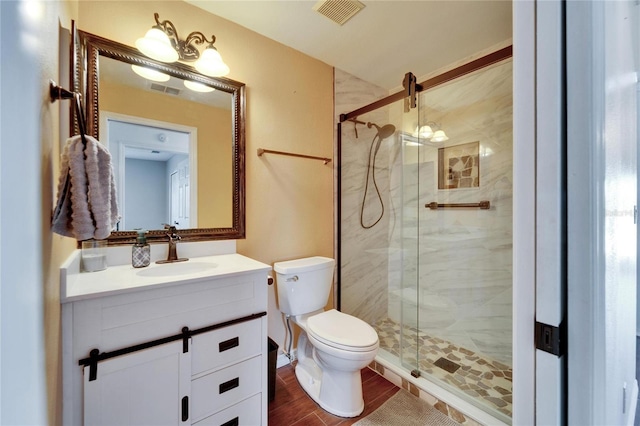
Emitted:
pixel 165 89
pixel 339 11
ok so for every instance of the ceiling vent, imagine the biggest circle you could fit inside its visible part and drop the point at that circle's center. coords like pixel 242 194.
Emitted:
pixel 339 11
pixel 165 89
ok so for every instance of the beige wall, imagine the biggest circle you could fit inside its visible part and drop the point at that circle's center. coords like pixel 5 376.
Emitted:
pixel 289 201
pixel 215 179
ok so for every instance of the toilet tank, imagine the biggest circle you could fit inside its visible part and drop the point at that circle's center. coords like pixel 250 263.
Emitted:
pixel 304 284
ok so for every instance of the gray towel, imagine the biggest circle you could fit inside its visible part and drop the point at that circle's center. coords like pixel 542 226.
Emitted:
pixel 87 206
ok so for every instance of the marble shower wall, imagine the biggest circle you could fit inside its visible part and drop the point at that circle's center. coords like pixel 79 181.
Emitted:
pixel 364 263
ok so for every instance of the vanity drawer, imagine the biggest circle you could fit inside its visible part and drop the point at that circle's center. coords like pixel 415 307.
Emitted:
pixel 223 388
pixel 226 345
pixel 247 412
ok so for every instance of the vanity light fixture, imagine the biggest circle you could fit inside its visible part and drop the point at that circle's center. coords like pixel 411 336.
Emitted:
pixel 163 44
pixel 156 44
pixel 426 132
pixel 149 73
pixel 439 136
pixel 198 87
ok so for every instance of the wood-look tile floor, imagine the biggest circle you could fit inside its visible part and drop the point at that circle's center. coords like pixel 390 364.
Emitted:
pixel 292 406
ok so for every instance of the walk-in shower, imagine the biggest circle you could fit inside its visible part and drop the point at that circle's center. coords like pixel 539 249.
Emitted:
pixel 425 247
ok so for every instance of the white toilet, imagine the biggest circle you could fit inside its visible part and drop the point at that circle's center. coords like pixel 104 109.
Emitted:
pixel 333 347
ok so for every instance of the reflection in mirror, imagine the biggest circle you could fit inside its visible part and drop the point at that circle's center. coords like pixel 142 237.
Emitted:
pixel 177 145
pixel 152 170
pixel 203 117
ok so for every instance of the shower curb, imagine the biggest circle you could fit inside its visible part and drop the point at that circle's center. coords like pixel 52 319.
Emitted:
pixel 442 400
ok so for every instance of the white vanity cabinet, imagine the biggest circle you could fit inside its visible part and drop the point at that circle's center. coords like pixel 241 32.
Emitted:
pixel 186 350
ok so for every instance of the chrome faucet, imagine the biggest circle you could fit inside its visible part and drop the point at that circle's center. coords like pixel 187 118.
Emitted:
pixel 173 245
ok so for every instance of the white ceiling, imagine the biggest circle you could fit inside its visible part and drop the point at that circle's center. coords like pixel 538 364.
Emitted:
pixel 385 40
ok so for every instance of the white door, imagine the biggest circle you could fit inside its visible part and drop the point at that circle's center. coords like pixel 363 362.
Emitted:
pixel 524 219
pixel 550 211
pixel 596 42
pixel 539 257
pixel 180 196
pixel 175 199
pixel 146 387
pixel 602 175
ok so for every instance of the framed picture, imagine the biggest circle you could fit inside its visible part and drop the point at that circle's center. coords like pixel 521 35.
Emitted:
pixel 459 166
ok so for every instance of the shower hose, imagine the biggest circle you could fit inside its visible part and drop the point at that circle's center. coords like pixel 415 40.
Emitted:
pixel 371 169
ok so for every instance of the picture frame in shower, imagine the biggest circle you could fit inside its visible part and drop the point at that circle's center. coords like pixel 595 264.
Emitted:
pixel 459 166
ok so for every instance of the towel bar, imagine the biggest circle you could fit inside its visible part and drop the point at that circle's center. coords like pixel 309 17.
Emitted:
pixel 482 205
pixel 268 151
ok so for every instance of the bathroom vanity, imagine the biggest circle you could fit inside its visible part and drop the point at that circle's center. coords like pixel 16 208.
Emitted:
pixel 168 344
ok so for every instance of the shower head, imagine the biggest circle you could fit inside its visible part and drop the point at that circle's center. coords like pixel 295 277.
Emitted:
pixel 384 131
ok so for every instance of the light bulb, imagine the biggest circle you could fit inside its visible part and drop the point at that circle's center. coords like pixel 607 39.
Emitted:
pixel 149 73
pixel 439 136
pixel 425 132
pixel 211 63
pixel 198 87
pixel 156 45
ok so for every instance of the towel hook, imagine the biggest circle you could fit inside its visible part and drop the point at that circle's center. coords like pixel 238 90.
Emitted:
pixel 59 93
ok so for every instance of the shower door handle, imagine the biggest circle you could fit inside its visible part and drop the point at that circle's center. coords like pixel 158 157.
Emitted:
pixel 293 278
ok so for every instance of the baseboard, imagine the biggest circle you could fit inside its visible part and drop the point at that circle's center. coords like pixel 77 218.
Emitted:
pixel 283 359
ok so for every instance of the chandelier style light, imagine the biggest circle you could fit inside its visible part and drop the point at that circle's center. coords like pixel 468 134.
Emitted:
pixel 163 44
pixel 426 132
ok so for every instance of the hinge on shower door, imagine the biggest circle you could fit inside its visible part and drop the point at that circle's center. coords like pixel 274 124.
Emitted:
pixel 550 338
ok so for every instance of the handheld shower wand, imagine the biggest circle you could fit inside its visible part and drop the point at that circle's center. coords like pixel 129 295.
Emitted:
pixel 382 133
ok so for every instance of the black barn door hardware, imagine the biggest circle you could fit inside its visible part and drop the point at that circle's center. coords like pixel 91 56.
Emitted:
pixel 95 356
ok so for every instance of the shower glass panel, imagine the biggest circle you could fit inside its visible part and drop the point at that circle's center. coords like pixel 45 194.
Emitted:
pixel 405 236
pixel 465 249
pixel 426 234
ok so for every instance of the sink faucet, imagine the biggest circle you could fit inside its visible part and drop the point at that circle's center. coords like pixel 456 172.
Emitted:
pixel 173 244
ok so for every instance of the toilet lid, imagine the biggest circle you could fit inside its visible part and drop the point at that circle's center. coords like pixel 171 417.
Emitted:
pixel 342 331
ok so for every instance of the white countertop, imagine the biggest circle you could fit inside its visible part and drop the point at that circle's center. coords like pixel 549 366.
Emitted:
pixel 76 285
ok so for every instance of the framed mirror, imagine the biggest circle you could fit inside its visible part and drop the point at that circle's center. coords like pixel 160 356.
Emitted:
pixel 177 145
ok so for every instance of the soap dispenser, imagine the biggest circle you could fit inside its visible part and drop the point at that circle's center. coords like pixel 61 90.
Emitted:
pixel 141 251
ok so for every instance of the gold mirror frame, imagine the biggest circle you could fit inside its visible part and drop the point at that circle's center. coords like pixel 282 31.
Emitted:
pixel 87 50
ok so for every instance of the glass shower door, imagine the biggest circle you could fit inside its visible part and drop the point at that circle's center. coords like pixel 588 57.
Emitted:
pixel 465 243
pixel 405 170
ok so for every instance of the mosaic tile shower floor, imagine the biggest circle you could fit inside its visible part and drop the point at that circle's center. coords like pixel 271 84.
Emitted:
pixel 484 379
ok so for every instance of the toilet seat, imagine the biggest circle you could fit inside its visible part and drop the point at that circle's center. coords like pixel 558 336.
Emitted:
pixel 342 331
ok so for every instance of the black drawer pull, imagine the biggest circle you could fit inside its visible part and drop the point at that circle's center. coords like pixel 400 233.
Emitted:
pixel 231 384
pixel 232 422
pixel 228 344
